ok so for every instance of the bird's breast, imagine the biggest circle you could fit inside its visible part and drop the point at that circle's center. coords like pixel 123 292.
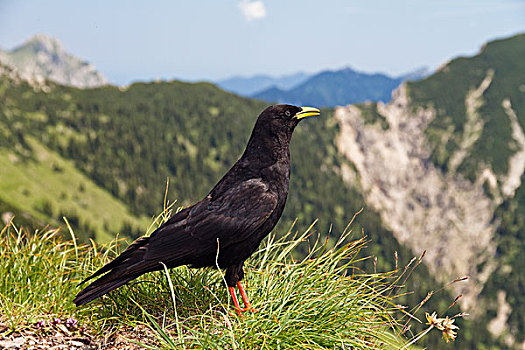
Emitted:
pixel 278 176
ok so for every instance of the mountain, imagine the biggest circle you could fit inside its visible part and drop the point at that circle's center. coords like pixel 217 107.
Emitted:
pixel 439 168
pixel 43 57
pixel 247 86
pixel 332 88
pixel 444 166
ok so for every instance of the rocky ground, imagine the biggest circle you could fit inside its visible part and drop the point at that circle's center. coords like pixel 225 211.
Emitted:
pixel 62 337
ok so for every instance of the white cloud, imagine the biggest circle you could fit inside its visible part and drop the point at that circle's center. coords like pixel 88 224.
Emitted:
pixel 252 9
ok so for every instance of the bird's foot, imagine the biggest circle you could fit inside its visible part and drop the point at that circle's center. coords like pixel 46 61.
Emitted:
pixel 247 304
pixel 241 310
pixel 239 313
pixel 236 306
pixel 248 307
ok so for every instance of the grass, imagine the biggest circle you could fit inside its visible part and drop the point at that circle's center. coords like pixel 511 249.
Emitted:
pixel 319 302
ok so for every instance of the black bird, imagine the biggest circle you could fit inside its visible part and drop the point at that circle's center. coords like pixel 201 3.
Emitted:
pixel 232 219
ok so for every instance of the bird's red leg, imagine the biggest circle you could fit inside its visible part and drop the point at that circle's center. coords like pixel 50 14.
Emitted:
pixel 244 298
pixel 235 301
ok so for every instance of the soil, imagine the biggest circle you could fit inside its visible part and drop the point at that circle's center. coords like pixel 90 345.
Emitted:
pixel 60 337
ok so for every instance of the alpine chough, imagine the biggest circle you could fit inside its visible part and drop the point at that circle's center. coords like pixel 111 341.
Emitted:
pixel 228 225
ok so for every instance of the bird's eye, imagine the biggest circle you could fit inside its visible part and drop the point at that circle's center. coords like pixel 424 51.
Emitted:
pixel 287 113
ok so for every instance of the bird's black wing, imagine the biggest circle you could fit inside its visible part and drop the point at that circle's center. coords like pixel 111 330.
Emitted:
pixel 231 217
pixel 190 236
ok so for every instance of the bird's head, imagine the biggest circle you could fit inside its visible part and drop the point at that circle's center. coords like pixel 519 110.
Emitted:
pixel 282 119
pixel 273 130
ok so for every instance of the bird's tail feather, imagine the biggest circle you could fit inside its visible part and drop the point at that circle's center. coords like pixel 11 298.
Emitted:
pixel 126 267
pixel 131 250
pixel 99 288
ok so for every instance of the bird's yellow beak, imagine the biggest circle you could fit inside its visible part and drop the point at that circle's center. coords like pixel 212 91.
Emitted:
pixel 307 112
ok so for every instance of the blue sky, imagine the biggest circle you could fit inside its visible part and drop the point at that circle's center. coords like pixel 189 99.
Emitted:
pixel 212 39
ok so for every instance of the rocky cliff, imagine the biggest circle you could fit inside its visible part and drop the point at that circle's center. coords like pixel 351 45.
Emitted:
pixel 447 216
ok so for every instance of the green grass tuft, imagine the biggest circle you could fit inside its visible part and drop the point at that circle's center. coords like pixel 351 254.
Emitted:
pixel 319 302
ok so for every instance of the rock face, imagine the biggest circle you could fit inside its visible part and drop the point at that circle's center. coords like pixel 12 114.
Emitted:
pixel 512 181
pixel 445 215
pixel 43 58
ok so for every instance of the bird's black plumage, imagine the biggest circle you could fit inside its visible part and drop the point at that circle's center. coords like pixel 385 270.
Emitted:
pixel 232 219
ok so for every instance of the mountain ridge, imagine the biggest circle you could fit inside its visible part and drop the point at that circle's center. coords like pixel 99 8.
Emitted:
pixel 43 57
pixel 246 86
pixel 344 86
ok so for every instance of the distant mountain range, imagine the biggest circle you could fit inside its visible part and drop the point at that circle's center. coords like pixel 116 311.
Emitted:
pixel 325 89
pixel 247 86
pixel 44 58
